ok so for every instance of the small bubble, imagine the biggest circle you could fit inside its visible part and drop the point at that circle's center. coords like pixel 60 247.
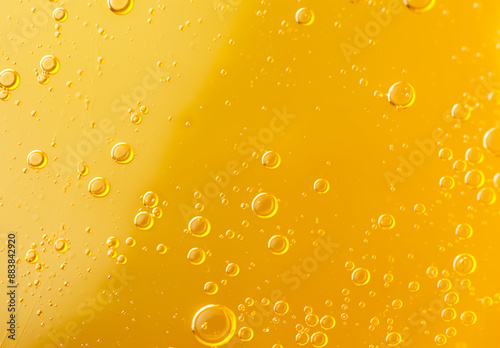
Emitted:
pixel 401 95
pixel 113 243
pixel 214 325
pixel 463 231
pixel 31 256
pixel 61 245
pixel 304 16
pixel 161 249
pixel 386 221
pixel 393 339
pixel 60 14
pixel 122 153
pixel 491 141
pixel 99 187
pixel 49 64
pixel 281 307
pixel 37 159
pixel 468 318
pixel 9 79
pixel 245 334
pixel 360 276
pixel 460 112
pixel 121 7
pixel 319 339
pixel 196 256
pixel 321 186
pixel 265 205
pixel 143 221
pixel 419 6
pixel 211 288
pixel 278 244
pixel 232 270
pixel 150 199
pixel 464 264
pixel 199 226
pixel 271 160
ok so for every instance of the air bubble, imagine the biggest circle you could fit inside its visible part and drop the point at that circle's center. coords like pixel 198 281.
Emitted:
pixel 99 187
pixel 199 226
pixel 265 205
pixel 122 153
pixel 121 7
pixel 144 221
pixel 464 264
pixel 271 160
pixel 401 95
pixel 196 256
pixel 360 276
pixel 321 186
pixel 304 16
pixel 37 159
pixel 278 244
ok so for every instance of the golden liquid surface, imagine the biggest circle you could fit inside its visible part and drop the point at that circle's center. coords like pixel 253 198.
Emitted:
pixel 251 174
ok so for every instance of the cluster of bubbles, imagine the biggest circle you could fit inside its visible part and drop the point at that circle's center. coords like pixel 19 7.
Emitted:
pixel 144 220
pixel 50 65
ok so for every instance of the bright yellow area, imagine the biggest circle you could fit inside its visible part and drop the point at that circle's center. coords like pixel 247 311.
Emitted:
pixel 367 228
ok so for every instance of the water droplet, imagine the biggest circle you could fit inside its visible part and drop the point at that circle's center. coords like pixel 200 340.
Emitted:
pixel 122 153
pixel 37 159
pixel 199 226
pixel 304 16
pixel 401 95
pixel 278 244
pixel 121 7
